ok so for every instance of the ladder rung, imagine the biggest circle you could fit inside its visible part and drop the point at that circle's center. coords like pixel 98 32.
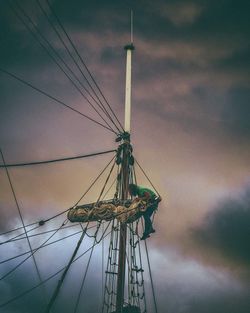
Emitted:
pixel 113 273
pixel 137 269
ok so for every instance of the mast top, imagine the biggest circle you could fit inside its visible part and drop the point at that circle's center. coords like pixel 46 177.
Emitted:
pixel 131 45
pixel 129 48
pixel 131 26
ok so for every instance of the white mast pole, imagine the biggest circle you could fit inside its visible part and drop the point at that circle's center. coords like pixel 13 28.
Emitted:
pixel 125 181
pixel 129 48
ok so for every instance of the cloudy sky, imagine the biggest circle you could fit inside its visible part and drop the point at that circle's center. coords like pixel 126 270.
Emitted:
pixel 190 132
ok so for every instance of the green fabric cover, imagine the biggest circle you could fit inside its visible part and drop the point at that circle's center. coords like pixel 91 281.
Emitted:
pixel 142 190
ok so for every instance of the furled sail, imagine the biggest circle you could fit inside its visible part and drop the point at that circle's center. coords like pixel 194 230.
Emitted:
pixel 125 211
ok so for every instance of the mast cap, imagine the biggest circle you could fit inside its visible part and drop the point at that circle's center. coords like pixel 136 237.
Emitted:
pixel 129 47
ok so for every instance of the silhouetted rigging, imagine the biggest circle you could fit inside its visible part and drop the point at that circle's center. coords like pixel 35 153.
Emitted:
pixel 123 292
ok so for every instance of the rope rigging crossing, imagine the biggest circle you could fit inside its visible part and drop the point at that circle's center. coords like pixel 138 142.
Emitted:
pixel 40 223
pixel 32 252
pixel 92 184
pixel 17 266
pixel 37 234
pixel 52 97
pixel 72 259
pixel 111 270
pixel 135 281
pixel 98 102
pixel 21 218
pixel 60 282
pixel 17 237
pixel 50 277
pixel 97 241
pixel 36 33
pixel 50 243
pixel 136 290
pixel 83 63
pixel 87 267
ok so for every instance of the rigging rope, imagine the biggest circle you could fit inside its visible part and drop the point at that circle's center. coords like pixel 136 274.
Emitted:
pixel 83 63
pixel 47 279
pixel 112 184
pixel 94 182
pixel 147 177
pixel 21 217
pixel 48 244
pixel 106 182
pixel 31 255
pixel 58 160
pixel 72 260
pixel 18 265
pixel 111 269
pixel 95 236
pixel 60 282
pixel 38 234
pixel 59 214
pixel 15 238
pixel 140 258
pixel 102 263
pixel 53 98
pixel 55 241
pixel 151 278
pixel 37 31
pixel 100 104
pixel 134 278
pixel 86 270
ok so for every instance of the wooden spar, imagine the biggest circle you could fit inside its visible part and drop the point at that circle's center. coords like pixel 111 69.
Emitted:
pixel 123 236
pixel 125 182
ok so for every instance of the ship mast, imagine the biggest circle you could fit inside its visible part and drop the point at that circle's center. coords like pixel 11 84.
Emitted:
pixel 126 151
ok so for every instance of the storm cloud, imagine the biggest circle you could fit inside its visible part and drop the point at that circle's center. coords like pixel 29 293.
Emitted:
pixel 190 132
pixel 227 227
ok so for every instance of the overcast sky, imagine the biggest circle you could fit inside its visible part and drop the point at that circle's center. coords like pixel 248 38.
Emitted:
pixel 190 132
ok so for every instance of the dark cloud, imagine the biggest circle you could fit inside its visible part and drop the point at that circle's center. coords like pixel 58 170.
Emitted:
pixel 227 228
pixel 237 111
pixel 228 303
pixel 193 301
pixel 190 76
pixel 191 286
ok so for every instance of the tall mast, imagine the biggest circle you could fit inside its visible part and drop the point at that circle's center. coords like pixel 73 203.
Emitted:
pixel 129 48
pixel 126 151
